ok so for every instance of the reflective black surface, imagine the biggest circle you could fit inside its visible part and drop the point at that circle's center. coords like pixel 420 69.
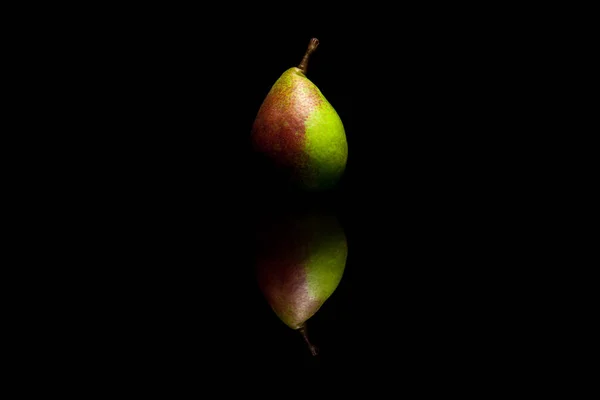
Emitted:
pixel 172 198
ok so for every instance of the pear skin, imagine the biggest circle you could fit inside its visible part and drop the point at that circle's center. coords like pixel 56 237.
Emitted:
pixel 300 132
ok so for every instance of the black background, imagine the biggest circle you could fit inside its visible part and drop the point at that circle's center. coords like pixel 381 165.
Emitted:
pixel 163 102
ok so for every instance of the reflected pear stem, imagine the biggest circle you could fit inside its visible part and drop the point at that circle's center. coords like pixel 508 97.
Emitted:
pixel 312 46
pixel 313 349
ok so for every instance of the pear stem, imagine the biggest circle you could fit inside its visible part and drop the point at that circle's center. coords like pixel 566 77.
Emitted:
pixel 312 46
pixel 313 349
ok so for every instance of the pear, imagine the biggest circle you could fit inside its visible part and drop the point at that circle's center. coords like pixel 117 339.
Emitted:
pixel 300 262
pixel 299 132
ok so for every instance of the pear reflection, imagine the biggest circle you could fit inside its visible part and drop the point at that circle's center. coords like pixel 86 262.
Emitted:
pixel 300 262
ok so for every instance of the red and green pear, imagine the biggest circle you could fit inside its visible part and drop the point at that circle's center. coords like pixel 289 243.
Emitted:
pixel 301 261
pixel 299 131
